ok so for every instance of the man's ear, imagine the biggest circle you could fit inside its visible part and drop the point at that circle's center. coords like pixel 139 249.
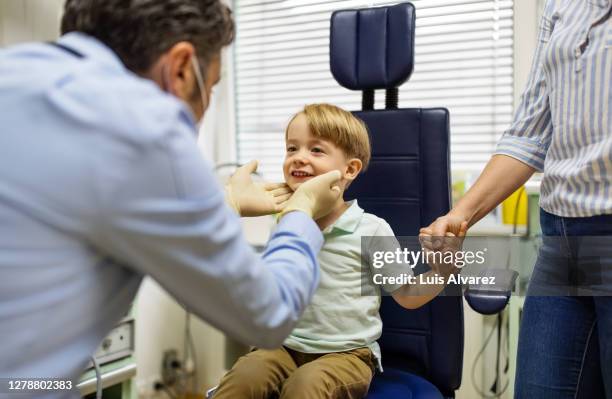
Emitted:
pixel 353 167
pixel 180 70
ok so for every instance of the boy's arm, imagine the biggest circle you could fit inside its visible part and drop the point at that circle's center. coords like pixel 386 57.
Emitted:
pixel 413 296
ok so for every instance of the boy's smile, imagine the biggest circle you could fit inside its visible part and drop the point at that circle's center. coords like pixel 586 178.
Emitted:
pixel 308 156
pixel 299 174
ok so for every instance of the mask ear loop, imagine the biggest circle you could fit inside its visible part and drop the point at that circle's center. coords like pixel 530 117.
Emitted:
pixel 166 80
pixel 200 83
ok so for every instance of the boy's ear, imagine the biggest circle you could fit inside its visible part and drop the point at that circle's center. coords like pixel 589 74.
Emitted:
pixel 353 167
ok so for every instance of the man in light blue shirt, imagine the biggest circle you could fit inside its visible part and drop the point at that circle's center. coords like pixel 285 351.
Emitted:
pixel 101 183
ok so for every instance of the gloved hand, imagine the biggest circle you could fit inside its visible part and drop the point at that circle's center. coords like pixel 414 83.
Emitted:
pixel 315 197
pixel 255 199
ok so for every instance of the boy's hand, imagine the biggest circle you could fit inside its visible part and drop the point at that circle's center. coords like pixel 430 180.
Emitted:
pixel 255 199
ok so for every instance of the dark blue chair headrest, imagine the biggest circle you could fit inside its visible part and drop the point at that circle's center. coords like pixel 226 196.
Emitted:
pixel 363 56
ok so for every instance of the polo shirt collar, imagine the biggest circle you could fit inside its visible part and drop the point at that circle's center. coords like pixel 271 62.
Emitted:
pixel 348 221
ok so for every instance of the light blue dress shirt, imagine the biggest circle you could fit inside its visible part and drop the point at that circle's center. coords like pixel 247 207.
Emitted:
pixel 101 183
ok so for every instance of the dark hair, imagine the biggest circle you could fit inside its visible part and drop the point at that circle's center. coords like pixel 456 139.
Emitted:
pixel 139 31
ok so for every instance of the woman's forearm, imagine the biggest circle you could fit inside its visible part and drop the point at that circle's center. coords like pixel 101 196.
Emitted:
pixel 501 177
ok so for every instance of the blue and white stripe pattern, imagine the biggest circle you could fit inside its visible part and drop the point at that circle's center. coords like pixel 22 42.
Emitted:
pixel 562 125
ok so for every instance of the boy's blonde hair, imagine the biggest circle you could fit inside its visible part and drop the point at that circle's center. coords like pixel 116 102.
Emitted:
pixel 340 127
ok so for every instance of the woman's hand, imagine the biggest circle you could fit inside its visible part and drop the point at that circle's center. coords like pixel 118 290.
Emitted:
pixel 455 225
pixel 436 255
pixel 248 198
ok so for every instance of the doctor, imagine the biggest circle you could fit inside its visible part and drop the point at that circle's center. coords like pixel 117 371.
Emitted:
pixel 101 183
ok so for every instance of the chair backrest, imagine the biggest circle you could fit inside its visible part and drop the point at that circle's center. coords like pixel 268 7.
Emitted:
pixel 407 182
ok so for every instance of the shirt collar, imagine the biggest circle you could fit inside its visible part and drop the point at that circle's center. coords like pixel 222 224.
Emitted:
pixel 348 221
pixel 91 47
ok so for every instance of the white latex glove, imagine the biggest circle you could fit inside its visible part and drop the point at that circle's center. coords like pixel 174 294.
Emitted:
pixel 255 199
pixel 317 196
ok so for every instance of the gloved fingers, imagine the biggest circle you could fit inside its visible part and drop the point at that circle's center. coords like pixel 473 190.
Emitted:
pixel 336 192
pixel 246 169
pixel 280 191
pixel 330 178
pixel 274 186
pixel 280 206
pixel 282 198
pixel 325 180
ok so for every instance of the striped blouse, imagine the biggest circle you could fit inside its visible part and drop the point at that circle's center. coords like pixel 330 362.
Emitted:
pixel 563 123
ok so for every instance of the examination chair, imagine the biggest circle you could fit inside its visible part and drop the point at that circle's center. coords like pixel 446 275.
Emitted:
pixel 407 184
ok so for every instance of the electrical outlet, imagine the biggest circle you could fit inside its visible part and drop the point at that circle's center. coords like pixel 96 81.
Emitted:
pixel 170 367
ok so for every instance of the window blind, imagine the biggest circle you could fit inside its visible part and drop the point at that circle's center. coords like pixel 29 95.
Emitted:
pixel 463 61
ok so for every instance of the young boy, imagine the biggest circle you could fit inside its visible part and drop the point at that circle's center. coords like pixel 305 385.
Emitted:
pixel 332 353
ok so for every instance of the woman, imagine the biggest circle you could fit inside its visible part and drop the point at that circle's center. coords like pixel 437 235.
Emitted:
pixel 563 128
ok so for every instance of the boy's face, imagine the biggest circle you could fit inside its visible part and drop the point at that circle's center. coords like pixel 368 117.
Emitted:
pixel 308 156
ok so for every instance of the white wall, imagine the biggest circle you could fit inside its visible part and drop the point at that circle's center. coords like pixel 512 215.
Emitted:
pixel 28 20
pixel 525 37
pixel 1 24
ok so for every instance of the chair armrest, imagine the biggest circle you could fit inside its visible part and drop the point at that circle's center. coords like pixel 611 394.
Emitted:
pixel 490 299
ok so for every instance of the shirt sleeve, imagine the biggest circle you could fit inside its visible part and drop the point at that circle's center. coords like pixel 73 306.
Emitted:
pixel 164 215
pixel 529 135
pixel 384 241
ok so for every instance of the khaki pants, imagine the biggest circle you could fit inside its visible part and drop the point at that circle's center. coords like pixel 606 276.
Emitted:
pixel 287 374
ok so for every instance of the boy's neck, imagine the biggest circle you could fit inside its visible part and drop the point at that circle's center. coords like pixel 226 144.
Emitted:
pixel 330 218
